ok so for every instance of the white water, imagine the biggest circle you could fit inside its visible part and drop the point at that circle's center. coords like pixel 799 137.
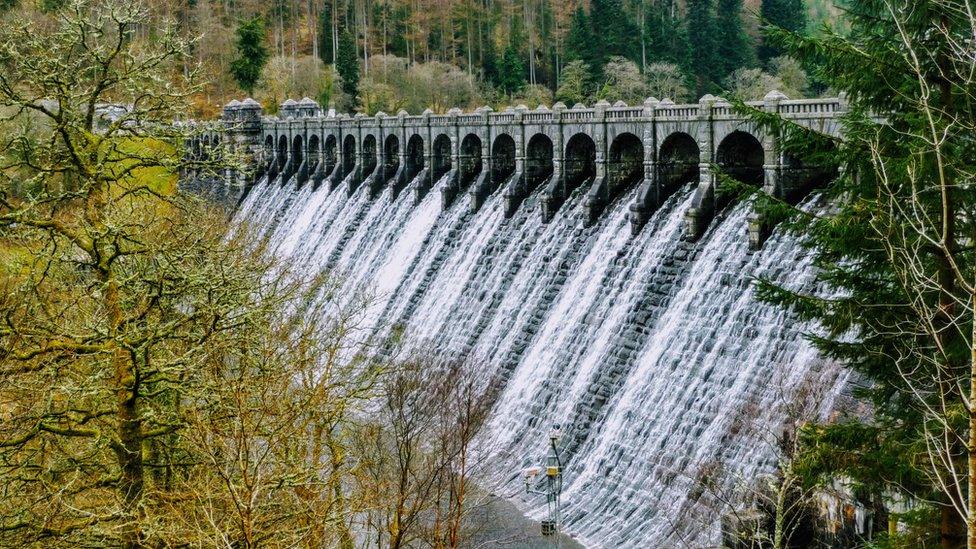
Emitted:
pixel 651 352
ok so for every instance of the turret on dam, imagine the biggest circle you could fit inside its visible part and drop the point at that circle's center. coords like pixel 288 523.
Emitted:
pixel 603 151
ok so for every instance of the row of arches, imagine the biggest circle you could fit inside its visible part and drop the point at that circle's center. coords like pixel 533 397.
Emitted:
pixel 739 154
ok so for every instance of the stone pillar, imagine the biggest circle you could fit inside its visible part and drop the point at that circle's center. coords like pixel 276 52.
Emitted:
pixel 759 226
pixel 702 209
pixel 557 192
pixel 360 154
pixel 597 197
pixel 426 182
pixel 481 187
pixel 513 194
pixel 649 194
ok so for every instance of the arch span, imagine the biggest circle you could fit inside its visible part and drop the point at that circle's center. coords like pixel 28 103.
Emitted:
pixel 740 155
pixel 625 165
pixel 368 155
pixel 469 159
pixel 442 156
pixel 330 154
pixel 348 154
pixel 538 169
pixel 580 161
pixel 678 160
pixel 391 155
pixel 298 168
pixel 538 161
pixel 502 159
pixel 415 156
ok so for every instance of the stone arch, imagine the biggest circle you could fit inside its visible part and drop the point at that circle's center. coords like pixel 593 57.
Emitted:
pixel 369 154
pixel 269 149
pixel 801 174
pixel 625 165
pixel 282 156
pixel 678 160
pixel 469 158
pixel 580 161
pixel 348 153
pixel 314 154
pixel 297 151
pixel 538 161
pixel 740 156
pixel 502 158
pixel 442 156
pixel 391 155
pixel 415 156
pixel 330 156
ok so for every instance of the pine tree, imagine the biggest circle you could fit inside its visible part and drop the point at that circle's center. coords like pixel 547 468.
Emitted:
pixel 734 46
pixel 489 64
pixel 614 31
pixel 790 15
pixel 666 34
pixel 702 39
pixel 511 75
pixel 347 64
pixel 252 54
pixel 895 249
pixel 580 43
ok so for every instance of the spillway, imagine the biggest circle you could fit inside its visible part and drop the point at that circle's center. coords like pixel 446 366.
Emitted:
pixel 652 352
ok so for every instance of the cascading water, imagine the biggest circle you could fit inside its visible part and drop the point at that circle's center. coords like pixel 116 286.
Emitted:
pixel 652 352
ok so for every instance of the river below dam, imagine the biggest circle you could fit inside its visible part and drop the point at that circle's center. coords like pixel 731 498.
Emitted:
pixel 669 379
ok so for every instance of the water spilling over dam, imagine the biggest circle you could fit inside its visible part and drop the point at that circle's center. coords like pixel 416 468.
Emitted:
pixel 652 352
pixel 670 379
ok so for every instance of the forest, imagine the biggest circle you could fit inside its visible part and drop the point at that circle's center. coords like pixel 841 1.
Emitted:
pixel 384 55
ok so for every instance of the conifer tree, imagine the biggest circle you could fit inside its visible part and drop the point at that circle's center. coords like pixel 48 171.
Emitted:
pixel 511 76
pixel 347 64
pixel 666 34
pixel 702 39
pixel 580 43
pixel 734 47
pixel 895 249
pixel 614 31
pixel 789 15
pixel 252 54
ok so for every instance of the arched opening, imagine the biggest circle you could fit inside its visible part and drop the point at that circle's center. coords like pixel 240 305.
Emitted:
pixel 297 152
pixel 314 155
pixel 538 161
pixel 369 155
pixel 269 152
pixel 330 157
pixel 348 154
pixel 415 156
pixel 740 155
pixel 625 166
pixel 469 159
pixel 442 156
pixel 801 174
pixel 678 159
pixel 502 158
pixel 391 155
pixel 580 161
pixel 282 151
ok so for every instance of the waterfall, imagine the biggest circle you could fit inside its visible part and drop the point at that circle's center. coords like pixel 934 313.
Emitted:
pixel 668 376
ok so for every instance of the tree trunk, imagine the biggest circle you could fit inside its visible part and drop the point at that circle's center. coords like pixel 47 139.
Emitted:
pixel 971 503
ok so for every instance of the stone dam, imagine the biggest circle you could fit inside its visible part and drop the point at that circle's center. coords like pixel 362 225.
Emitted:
pixel 589 260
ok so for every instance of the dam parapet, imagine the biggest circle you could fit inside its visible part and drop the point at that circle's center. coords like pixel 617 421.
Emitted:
pixel 604 151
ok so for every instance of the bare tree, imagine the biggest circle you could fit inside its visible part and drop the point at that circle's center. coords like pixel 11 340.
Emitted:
pixel 416 456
